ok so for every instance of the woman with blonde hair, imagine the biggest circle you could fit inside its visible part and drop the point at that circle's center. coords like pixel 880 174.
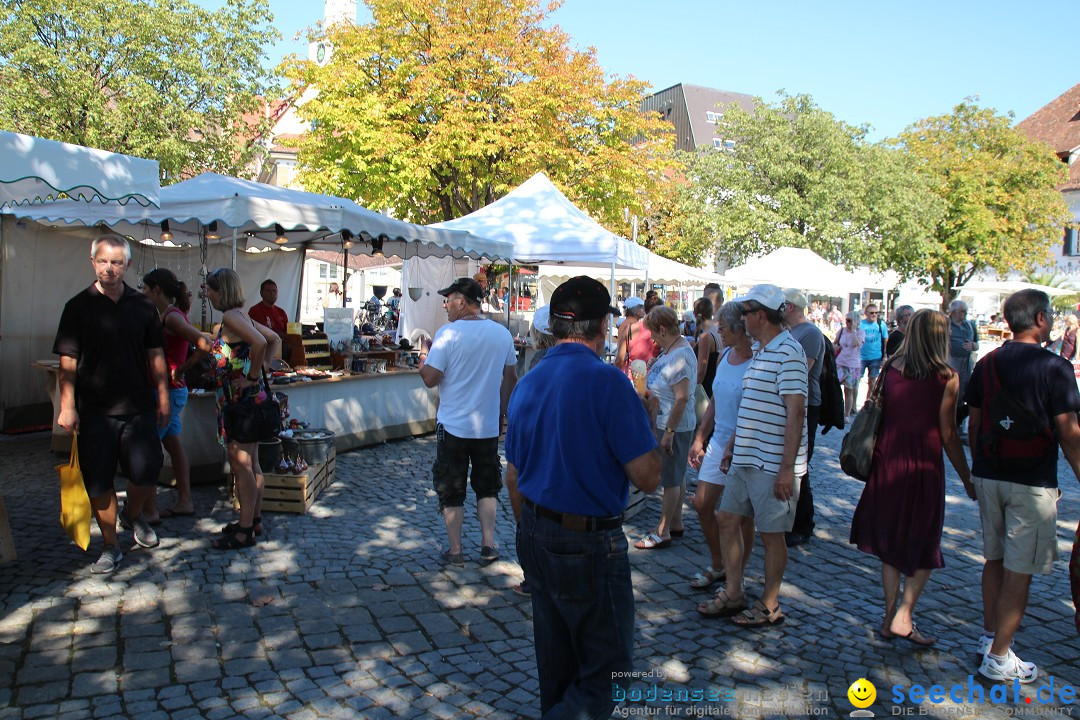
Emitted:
pixel 670 380
pixel 901 513
pixel 241 352
pixel 848 344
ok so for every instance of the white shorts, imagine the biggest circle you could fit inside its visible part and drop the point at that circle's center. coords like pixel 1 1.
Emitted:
pixel 710 465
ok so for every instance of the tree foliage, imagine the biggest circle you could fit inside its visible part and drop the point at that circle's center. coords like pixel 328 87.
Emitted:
pixel 438 107
pixel 798 177
pixel 162 79
pixel 1002 208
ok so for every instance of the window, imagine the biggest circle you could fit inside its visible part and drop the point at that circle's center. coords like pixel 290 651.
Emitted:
pixel 322 270
pixel 729 144
pixel 333 271
pixel 711 117
pixel 1068 246
pixel 717 143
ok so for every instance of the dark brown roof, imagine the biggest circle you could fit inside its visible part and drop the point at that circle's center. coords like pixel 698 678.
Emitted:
pixel 1058 125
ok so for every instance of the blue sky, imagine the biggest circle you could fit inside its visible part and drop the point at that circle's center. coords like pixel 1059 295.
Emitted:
pixel 879 63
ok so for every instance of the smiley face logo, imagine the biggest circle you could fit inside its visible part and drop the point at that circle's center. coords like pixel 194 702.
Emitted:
pixel 862 693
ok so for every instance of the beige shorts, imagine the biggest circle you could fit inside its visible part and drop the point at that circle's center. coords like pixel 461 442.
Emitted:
pixel 750 493
pixel 1019 524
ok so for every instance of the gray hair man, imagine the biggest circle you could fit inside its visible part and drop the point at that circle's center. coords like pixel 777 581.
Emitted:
pixel 813 344
pixel 1023 402
pixel 963 342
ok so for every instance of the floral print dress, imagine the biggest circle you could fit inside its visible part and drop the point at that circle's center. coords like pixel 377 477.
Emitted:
pixel 232 363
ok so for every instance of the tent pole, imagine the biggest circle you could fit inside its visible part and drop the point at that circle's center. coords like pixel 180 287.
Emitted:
pixel 234 248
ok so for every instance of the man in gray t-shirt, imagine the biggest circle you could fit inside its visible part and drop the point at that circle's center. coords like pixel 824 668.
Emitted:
pixel 813 344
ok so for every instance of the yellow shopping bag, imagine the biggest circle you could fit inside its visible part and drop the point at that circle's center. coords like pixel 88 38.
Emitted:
pixel 74 502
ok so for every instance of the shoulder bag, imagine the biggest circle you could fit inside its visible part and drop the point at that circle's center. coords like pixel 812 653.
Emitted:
pixel 857 447
pixel 248 420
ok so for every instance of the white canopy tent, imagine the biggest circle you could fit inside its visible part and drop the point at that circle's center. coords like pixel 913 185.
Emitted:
pixel 545 228
pixel 798 268
pixel 660 270
pixel 1006 287
pixel 43 266
pixel 35 170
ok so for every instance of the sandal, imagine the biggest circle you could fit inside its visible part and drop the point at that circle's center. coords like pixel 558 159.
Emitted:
pixel 240 538
pixel 705 580
pixel 256 522
pixel 917 637
pixel 652 541
pixel 757 615
pixel 722 606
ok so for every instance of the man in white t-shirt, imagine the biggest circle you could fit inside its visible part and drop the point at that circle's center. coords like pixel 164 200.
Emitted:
pixel 765 456
pixel 473 362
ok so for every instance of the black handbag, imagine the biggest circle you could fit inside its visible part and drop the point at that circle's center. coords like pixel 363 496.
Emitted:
pixel 857 447
pixel 248 421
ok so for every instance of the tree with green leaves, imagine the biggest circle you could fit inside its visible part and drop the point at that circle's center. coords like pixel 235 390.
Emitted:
pixel 1003 211
pixel 438 107
pixel 161 79
pixel 796 176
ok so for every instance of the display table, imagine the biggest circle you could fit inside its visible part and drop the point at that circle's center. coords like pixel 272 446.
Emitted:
pixel 359 409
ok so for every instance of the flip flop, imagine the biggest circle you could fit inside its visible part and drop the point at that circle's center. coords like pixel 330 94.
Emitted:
pixel 652 541
pixel 170 513
pixel 721 606
pixel 917 637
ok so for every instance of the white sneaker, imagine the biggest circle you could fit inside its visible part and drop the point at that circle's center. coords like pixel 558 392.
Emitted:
pixel 985 643
pixel 1008 668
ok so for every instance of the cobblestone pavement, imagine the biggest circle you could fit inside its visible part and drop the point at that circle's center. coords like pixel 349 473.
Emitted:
pixel 346 612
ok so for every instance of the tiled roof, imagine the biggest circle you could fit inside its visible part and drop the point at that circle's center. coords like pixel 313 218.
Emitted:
pixel 1058 125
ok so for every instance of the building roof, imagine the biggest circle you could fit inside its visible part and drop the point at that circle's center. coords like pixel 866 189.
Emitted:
pixel 701 100
pixel 357 261
pixel 1058 125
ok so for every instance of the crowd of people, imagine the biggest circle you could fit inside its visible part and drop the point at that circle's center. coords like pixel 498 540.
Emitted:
pixel 735 395
pixel 124 361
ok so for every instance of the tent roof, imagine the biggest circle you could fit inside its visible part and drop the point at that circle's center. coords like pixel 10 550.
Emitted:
pixel 545 227
pixel 33 170
pixel 660 270
pixel 798 268
pixel 1004 287
pixel 254 209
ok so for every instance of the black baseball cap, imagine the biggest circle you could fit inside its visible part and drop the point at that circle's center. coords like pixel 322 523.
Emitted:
pixel 467 287
pixel 581 298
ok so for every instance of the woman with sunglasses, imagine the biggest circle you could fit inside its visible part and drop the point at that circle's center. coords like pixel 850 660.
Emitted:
pixel 848 345
pixel 242 350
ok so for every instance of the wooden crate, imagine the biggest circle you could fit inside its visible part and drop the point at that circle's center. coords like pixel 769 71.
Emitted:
pixel 7 543
pixel 294 493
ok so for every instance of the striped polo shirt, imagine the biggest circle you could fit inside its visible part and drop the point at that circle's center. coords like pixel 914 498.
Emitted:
pixel 776 370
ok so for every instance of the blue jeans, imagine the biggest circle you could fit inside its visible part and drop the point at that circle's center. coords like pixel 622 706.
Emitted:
pixel 583 614
pixel 872 368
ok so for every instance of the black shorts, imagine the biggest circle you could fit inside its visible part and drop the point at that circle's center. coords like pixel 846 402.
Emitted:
pixel 130 440
pixel 451 468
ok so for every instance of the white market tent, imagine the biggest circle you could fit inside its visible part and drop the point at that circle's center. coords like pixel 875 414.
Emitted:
pixel 796 268
pixel 660 270
pixel 35 170
pixel 545 227
pixel 1006 287
pixel 45 252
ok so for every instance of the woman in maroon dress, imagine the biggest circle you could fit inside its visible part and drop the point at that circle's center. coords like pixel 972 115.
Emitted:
pixel 902 509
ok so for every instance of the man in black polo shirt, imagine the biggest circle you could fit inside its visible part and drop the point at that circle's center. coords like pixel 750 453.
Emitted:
pixel 113 391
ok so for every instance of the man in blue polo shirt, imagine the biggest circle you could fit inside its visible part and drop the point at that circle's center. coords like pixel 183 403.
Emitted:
pixel 873 348
pixel 577 436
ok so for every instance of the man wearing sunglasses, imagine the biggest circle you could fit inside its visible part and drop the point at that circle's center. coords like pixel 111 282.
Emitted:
pixel 873 347
pixel 764 457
